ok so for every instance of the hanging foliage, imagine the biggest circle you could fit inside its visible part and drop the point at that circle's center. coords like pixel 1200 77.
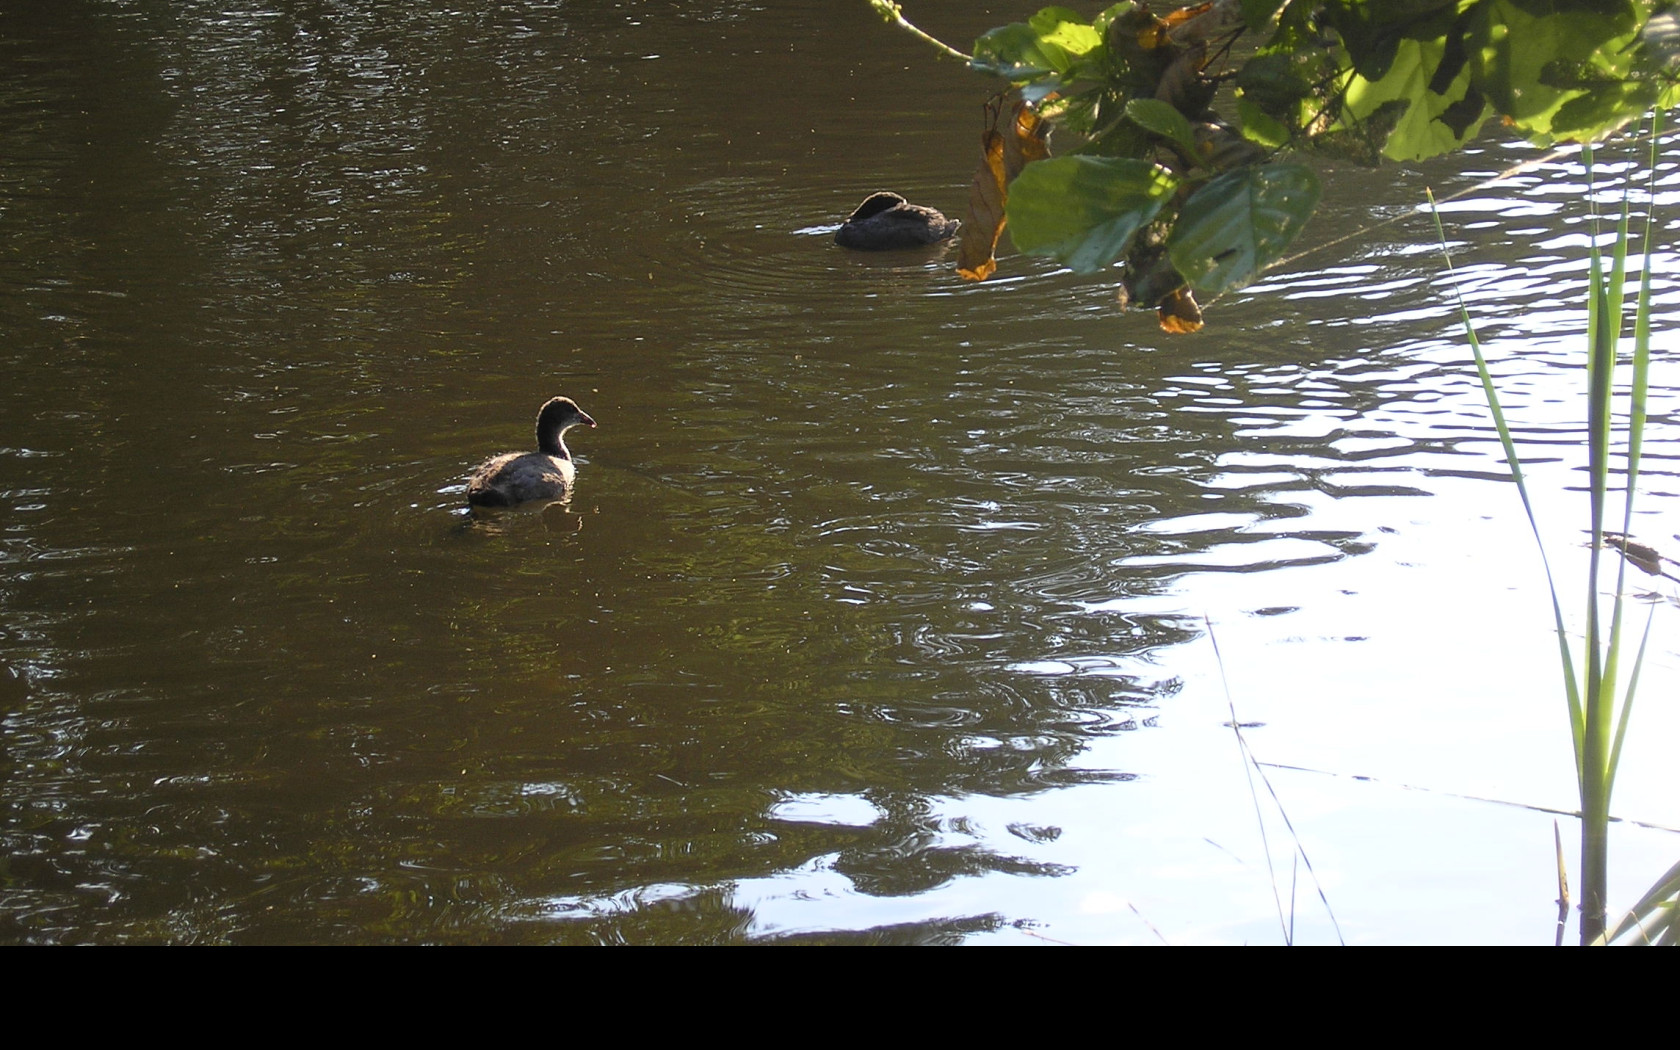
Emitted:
pixel 1180 163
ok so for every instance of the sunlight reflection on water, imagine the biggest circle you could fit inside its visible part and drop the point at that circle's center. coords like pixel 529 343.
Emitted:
pixel 886 606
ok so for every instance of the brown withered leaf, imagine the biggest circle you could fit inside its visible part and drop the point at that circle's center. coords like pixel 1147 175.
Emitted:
pixel 1150 279
pixel 1030 141
pixel 1185 15
pixel 1178 313
pixel 1003 153
pixel 1154 33
pixel 986 195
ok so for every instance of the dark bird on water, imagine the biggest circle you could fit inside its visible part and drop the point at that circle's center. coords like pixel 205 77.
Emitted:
pixel 545 474
pixel 886 221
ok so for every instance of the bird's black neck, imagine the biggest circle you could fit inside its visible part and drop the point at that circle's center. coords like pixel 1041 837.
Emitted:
pixel 549 443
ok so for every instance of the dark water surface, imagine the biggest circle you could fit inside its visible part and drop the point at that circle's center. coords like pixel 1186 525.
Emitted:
pixel 881 610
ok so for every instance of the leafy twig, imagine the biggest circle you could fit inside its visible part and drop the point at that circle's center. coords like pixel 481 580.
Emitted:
pixel 894 14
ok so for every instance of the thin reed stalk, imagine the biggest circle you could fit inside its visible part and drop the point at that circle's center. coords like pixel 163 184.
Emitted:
pixel 1598 716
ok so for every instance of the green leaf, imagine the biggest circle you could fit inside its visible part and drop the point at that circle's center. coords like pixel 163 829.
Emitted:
pixel 1064 29
pixel 1164 120
pixel 1259 127
pixel 1052 41
pixel 1085 210
pixel 1231 228
pixel 1108 15
pixel 1429 124
pixel 1274 81
pixel 1599 110
pixel 1372 33
pixel 1519 48
pixel 1012 52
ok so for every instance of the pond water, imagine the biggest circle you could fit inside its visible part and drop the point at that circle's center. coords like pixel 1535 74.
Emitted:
pixel 886 606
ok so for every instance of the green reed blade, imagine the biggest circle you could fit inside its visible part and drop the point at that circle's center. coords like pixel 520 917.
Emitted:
pixel 1572 691
pixel 1637 411
pixel 1655 913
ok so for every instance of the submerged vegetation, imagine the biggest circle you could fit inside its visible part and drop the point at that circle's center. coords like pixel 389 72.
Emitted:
pixel 1190 127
